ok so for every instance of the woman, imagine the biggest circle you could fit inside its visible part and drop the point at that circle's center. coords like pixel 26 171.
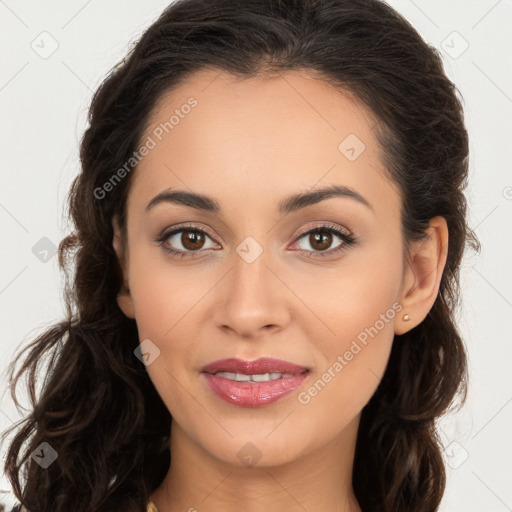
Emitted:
pixel 314 155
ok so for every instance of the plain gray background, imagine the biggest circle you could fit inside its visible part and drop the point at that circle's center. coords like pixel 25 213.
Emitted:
pixel 44 98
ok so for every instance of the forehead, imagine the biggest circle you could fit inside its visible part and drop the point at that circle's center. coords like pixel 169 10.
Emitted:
pixel 224 136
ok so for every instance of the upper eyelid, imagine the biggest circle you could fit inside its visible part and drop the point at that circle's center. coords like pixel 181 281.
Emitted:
pixel 184 227
pixel 327 225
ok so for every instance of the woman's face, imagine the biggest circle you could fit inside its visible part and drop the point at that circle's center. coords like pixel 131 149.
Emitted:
pixel 246 283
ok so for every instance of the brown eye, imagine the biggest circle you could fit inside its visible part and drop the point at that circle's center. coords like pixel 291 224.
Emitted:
pixel 185 241
pixel 192 239
pixel 320 240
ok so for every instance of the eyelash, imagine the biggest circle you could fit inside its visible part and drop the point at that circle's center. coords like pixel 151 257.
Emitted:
pixel 348 240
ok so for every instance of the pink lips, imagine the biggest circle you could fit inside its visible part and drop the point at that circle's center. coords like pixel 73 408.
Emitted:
pixel 253 394
pixel 262 365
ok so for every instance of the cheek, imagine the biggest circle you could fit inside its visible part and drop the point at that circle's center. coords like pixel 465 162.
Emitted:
pixel 354 364
pixel 165 302
pixel 359 293
pixel 165 295
pixel 359 305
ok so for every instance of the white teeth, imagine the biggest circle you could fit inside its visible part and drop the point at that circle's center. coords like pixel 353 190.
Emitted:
pixel 261 377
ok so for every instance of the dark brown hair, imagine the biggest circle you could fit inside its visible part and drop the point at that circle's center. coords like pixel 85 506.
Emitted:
pixel 98 408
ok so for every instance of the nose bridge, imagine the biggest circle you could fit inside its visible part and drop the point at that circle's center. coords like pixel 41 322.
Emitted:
pixel 251 298
pixel 251 272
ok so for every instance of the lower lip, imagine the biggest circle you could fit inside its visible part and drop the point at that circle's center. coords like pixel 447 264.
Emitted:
pixel 246 394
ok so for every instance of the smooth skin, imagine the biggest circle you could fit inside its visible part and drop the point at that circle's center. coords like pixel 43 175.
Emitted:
pixel 249 144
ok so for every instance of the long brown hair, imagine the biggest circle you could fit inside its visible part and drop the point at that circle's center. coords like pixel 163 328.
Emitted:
pixel 97 407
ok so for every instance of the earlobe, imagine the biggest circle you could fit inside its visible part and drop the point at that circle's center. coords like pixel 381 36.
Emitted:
pixel 124 297
pixel 125 303
pixel 423 275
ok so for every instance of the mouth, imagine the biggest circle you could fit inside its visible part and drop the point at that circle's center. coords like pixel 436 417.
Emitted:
pixel 253 383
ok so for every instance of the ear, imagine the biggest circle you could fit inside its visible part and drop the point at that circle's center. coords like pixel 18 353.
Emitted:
pixel 422 275
pixel 124 298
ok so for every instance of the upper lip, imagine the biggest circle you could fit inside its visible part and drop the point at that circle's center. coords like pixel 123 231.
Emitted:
pixel 258 366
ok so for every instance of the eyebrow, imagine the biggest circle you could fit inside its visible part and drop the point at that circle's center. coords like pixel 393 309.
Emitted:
pixel 288 205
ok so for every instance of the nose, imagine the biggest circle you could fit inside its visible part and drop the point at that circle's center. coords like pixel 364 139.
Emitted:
pixel 253 299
